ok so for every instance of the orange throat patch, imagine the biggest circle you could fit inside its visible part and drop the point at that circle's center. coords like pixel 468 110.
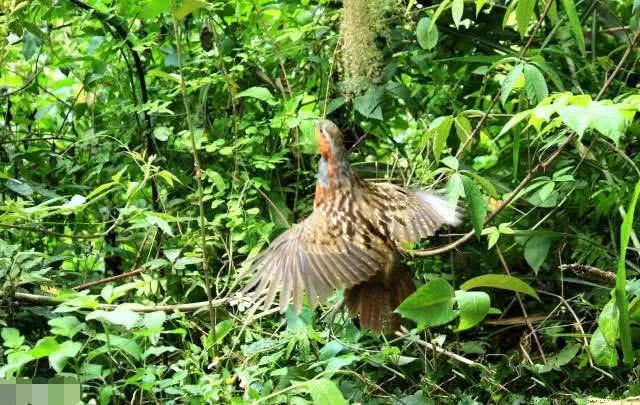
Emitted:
pixel 323 144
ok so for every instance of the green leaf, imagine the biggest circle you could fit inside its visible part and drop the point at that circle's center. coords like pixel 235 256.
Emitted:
pixel 126 318
pixel 66 326
pixel 368 104
pixel 603 354
pixel 427 34
pixel 574 22
pixel 621 279
pixel 324 392
pixel 484 183
pixel 259 93
pixel 11 338
pixel 535 84
pixel 608 323
pixel 19 187
pixel 161 133
pixel 479 5
pixel 575 117
pixel 154 8
pixel 536 250
pixel 430 305
pixel 501 281
pixel 473 307
pixel 439 130
pixel 68 349
pixel 188 7
pixel 44 347
pixel 561 359
pixel 477 204
pixel 222 329
pixel 457 8
pixel 546 190
pixel 509 82
pixel 607 120
pixel 524 12
pixel 160 223
pixel 515 120
pixel 463 127
pixel 30 45
pixel 451 162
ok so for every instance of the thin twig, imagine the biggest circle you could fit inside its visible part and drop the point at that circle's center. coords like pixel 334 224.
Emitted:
pixel 108 279
pixel 198 174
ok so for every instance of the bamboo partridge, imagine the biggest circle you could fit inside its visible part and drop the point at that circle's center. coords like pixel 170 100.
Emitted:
pixel 350 241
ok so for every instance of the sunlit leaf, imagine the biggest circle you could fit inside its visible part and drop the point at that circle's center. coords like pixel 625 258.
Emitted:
pixel 501 281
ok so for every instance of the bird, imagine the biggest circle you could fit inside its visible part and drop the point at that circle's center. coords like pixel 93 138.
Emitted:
pixel 350 240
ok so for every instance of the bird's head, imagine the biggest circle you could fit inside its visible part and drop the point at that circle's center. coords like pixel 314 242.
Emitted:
pixel 329 140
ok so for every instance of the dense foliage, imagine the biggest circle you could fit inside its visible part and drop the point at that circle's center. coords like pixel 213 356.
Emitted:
pixel 149 148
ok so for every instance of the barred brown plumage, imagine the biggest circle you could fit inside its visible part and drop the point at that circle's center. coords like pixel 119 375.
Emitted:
pixel 349 241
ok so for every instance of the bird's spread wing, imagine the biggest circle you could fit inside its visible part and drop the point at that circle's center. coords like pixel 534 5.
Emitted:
pixel 408 216
pixel 315 256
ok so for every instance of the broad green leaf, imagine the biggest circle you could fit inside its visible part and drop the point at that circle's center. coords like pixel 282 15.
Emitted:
pixel 451 162
pixel 11 338
pixel 439 130
pixel 68 349
pixel 161 133
pixel 426 33
pixel 30 45
pixel 44 347
pixel 369 103
pixel 160 223
pixel 430 305
pixel 325 392
pixel 222 329
pixel 126 318
pixel 75 202
pixel 19 187
pixel 457 8
pixel 535 84
pixel 463 127
pixel 15 361
pixel 259 93
pixel 608 323
pixel 621 279
pixel 603 354
pixel 66 326
pixel 188 7
pixel 536 250
pixel 509 82
pixel 154 8
pixel 574 22
pixel 575 117
pixel 524 12
pixel 561 359
pixel 473 307
pixel 477 204
pixel 484 183
pixel 608 120
pixel 501 281
pixel 545 191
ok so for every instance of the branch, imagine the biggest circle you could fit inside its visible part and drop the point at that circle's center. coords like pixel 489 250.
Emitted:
pixel 108 279
pixel 191 307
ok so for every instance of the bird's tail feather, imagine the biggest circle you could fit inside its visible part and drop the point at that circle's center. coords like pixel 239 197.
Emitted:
pixel 374 300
